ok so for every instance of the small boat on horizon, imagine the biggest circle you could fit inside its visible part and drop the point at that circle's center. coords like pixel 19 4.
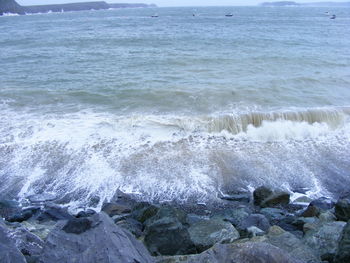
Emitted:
pixel 229 15
pixel 333 17
pixel 155 15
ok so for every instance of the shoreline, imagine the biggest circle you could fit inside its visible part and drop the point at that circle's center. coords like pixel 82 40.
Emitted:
pixel 259 226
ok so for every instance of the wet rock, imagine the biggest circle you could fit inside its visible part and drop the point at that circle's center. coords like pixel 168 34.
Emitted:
pixel 53 212
pixel 144 211
pixel 9 208
pixel 193 218
pixel 39 229
pixel 325 237
pixel 168 212
pixel 310 211
pixel 113 209
pixel 301 221
pixel 327 217
pixel 102 242
pixel 8 251
pixel 278 198
pixel 234 216
pixel 87 213
pixel 20 217
pixel 342 209
pixel 323 203
pixel 248 252
pixel 290 243
pixel 254 231
pixel 273 214
pixel 303 199
pixel 205 234
pixel 77 225
pixel 257 220
pixel 343 251
pixel 132 225
pixel 260 194
pixel 40 198
pixel 236 197
pixel 166 235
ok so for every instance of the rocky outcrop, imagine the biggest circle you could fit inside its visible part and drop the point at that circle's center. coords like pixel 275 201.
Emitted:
pixel 266 197
pixel 10 6
pixel 94 239
pixel 343 252
pixel 342 209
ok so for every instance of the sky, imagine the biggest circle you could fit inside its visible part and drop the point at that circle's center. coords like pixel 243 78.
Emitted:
pixel 169 2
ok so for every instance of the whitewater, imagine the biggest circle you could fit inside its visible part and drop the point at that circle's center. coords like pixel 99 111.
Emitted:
pixel 176 108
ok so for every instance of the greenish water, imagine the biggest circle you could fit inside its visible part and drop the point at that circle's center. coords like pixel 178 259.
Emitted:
pixel 178 107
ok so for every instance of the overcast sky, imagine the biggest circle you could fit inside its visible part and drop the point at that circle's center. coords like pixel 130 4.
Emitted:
pixel 166 2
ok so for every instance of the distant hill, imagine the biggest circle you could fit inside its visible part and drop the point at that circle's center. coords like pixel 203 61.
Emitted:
pixel 320 4
pixel 11 6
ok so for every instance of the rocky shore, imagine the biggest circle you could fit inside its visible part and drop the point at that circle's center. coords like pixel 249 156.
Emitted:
pixel 263 226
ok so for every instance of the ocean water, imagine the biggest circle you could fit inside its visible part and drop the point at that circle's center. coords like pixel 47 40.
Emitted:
pixel 175 108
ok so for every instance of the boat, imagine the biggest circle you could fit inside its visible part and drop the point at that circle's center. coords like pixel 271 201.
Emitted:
pixel 229 15
pixel 155 15
pixel 333 17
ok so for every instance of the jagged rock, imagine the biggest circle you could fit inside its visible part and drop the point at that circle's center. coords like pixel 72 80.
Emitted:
pixel 53 212
pixel 343 252
pixel 166 235
pixel 278 198
pixel 100 241
pixel 257 220
pixel 290 243
pixel 206 233
pixel 113 209
pixel 260 194
pixel 234 216
pixel 310 211
pixel 273 214
pixel 41 230
pixel 324 238
pixel 9 208
pixel 135 227
pixel 323 203
pixel 87 213
pixel 144 211
pixel 342 209
pixel 8 250
pixel 248 252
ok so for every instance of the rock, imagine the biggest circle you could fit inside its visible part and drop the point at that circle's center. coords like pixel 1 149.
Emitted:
pixel 193 218
pixel 303 199
pixel 144 211
pixel 205 234
pixel 130 224
pixel 278 198
pixel 253 231
pixel 301 221
pixel 41 230
pixel 323 203
pixel 236 197
pixel 260 194
pixel 342 209
pixel 290 243
pixel 20 217
pixel 54 212
pixel 77 225
pixel 168 236
pixel 273 214
pixel 9 208
pixel 113 209
pixel 257 220
pixel 327 217
pixel 40 198
pixel 234 216
pixel 100 241
pixel 8 251
pixel 310 211
pixel 343 251
pixel 170 212
pixel 325 237
pixel 248 252
pixel 87 213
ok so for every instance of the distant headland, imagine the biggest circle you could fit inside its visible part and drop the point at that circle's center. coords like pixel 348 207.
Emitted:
pixel 11 6
pixel 319 4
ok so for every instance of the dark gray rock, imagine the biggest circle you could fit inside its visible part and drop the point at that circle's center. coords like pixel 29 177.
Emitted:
pixel 144 211
pixel 310 211
pixel 8 250
pixel 324 238
pixel 132 225
pixel 278 198
pixel 260 194
pixel 168 212
pixel 273 214
pixel 53 212
pixel 168 236
pixel 257 220
pixel 102 242
pixel 206 233
pixel 10 6
pixel 113 209
pixel 193 218
pixel 248 252
pixel 77 225
pixel 342 209
pixel 20 217
pixel 87 213
pixel 9 208
pixel 291 244
pixel 343 251
pixel 234 216
pixel 236 197
pixel 323 203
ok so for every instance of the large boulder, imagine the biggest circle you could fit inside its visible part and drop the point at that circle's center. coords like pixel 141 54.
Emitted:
pixel 266 197
pixel 113 209
pixel 290 243
pixel 342 209
pixel 8 250
pixel 257 220
pixel 206 233
pixel 248 252
pixel 90 240
pixel 343 252
pixel 325 237
pixel 144 211
pixel 9 208
pixel 260 194
pixel 234 216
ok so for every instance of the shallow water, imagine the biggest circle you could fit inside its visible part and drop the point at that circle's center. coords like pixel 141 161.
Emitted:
pixel 178 107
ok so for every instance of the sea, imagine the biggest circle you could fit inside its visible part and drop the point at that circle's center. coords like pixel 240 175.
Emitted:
pixel 183 107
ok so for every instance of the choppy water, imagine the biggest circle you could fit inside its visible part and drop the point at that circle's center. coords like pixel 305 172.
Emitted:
pixel 178 107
